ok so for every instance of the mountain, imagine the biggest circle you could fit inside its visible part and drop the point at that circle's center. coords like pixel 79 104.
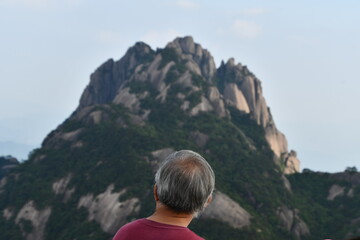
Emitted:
pixel 6 164
pixel 94 172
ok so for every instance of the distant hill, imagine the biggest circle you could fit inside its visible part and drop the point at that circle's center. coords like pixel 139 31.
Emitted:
pixel 94 173
pixel 6 164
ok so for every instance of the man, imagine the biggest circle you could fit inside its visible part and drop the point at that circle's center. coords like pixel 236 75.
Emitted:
pixel 183 187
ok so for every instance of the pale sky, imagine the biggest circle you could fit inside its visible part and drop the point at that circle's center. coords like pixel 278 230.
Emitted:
pixel 306 53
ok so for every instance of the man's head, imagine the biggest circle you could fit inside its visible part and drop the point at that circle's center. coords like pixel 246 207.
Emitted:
pixel 184 182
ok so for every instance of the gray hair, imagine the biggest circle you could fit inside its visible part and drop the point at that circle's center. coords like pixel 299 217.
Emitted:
pixel 185 181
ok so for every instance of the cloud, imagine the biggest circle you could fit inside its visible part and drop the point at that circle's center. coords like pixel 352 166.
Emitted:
pixel 189 5
pixel 254 11
pixel 160 38
pixel 246 29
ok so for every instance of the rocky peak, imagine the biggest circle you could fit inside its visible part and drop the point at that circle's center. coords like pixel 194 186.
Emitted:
pixel 248 86
pixel 107 79
pixel 140 49
pixel 242 89
pixel 292 163
pixel 230 62
pixel 185 45
pixel 186 63
pixel 194 52
pixel 180 62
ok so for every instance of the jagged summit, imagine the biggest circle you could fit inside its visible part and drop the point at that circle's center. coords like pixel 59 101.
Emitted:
pixel 186 63
pixel 242 89
pixel 110 76
pixel 202 57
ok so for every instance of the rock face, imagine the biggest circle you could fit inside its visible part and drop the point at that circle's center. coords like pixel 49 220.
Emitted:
pixel 335 191
pixel 7 213
pixel 107 210
pixel 60 136
pixel 292 221
pixel 242 90
pixel 158 156
pixel 114 81
pixel 287 184
pixel 61 187
pixel 227 210
pixel 292 163
pixel 37 219
pixel 235 97
pixel 200 138
pixel 198 57
pixel 203 106
pixel 106 80
pixel 217 101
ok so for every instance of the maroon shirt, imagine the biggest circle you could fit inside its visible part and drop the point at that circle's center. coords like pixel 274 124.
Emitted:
pixel 144 229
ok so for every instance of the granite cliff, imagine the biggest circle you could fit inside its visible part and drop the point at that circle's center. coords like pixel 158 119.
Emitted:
pixel 232 85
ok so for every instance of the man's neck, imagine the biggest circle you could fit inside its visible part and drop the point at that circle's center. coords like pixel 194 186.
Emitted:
pixel 165 215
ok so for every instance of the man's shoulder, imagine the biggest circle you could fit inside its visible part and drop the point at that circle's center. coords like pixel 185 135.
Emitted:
pixel 126 231
pixel 154 230
pixel 132 225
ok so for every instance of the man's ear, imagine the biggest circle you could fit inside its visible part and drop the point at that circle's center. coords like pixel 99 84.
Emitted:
pixel 156 197
pixel 208 201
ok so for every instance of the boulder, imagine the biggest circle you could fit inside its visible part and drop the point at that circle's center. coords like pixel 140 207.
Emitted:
pixel 223 208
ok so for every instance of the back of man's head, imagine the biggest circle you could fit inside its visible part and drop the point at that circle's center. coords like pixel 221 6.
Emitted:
pixel 185 182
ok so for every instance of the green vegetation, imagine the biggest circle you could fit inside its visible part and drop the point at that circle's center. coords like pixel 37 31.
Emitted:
pixel 194 98
pixel 325 218
pixel 7 163
pixel 351 170
pixel 224 76
pixel 249 126
pixel 199 81
pixel 26 225
pixel 71 125
pixel 168 55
